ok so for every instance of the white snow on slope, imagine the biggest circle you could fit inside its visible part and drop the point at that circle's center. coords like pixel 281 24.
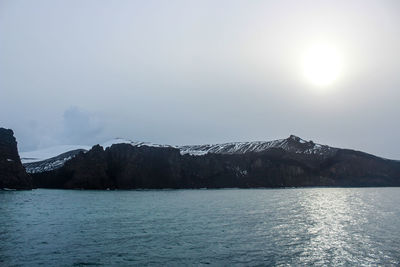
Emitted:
pixel 230 148
pixel 133 143
pixel 43 154
pixel 47 153
pixel 292 144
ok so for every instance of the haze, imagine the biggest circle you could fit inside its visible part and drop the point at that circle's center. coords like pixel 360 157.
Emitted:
pixel 190 72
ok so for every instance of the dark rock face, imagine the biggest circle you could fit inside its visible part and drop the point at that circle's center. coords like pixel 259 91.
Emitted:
pixel 12 173
pixel 123 166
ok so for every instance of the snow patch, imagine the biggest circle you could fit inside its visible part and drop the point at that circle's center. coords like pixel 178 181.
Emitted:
pixel 51 152
pixel 132 143
pixel 47 153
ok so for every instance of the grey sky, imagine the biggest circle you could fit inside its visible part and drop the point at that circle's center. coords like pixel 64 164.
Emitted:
pixel 187 72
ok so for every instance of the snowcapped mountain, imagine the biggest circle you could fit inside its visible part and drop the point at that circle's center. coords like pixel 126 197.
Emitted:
pixel 292 144
pixel 133 143
pixel 47 153
pixel 38 164
pixel 55 157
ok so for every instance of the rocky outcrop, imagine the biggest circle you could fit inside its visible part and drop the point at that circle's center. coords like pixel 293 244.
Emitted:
pixel 123 166
pixel 12 173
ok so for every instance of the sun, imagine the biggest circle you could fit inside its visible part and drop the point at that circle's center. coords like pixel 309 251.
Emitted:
pixel 322 65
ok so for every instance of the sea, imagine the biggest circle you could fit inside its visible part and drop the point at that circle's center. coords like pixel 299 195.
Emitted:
pixel 226 227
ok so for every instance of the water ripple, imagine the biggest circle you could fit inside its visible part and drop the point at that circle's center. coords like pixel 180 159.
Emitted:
pixel 335 226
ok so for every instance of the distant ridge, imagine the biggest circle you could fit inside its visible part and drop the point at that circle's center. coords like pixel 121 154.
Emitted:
pixel 292 143
pixel 55 157
pixel 290 162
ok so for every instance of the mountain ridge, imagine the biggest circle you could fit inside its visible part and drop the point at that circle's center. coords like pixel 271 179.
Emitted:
pixel 289 162
pixel 53 158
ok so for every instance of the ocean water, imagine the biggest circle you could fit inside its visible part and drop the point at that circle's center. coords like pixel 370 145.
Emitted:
pixel 319 226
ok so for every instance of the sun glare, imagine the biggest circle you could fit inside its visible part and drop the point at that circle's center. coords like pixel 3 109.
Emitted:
pixel 322 65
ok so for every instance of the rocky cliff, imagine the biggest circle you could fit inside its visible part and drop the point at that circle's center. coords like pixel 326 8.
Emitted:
pixel 123 166
pixel 12 173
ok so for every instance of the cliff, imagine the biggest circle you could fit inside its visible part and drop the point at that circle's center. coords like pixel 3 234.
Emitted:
pixel 12 173
pixel 123 166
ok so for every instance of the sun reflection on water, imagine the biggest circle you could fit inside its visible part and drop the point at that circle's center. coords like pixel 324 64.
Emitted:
pixel 335 229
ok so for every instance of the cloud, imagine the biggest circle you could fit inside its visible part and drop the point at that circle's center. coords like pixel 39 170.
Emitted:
pixel 192 72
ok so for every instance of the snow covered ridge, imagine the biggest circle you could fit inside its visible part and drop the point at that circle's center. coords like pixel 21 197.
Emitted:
pixel 55 157
pixel 292 144
pixel 47 153
pixel 51 152
pixel 133 143
pixel 52 163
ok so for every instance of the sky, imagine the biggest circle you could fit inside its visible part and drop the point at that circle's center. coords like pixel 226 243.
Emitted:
pixel 193 72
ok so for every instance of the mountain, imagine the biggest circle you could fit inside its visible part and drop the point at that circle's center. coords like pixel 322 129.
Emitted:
pixel 55 157
pixel 292 144
pixel 40 164
pixel 289 162
pixel 12 173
